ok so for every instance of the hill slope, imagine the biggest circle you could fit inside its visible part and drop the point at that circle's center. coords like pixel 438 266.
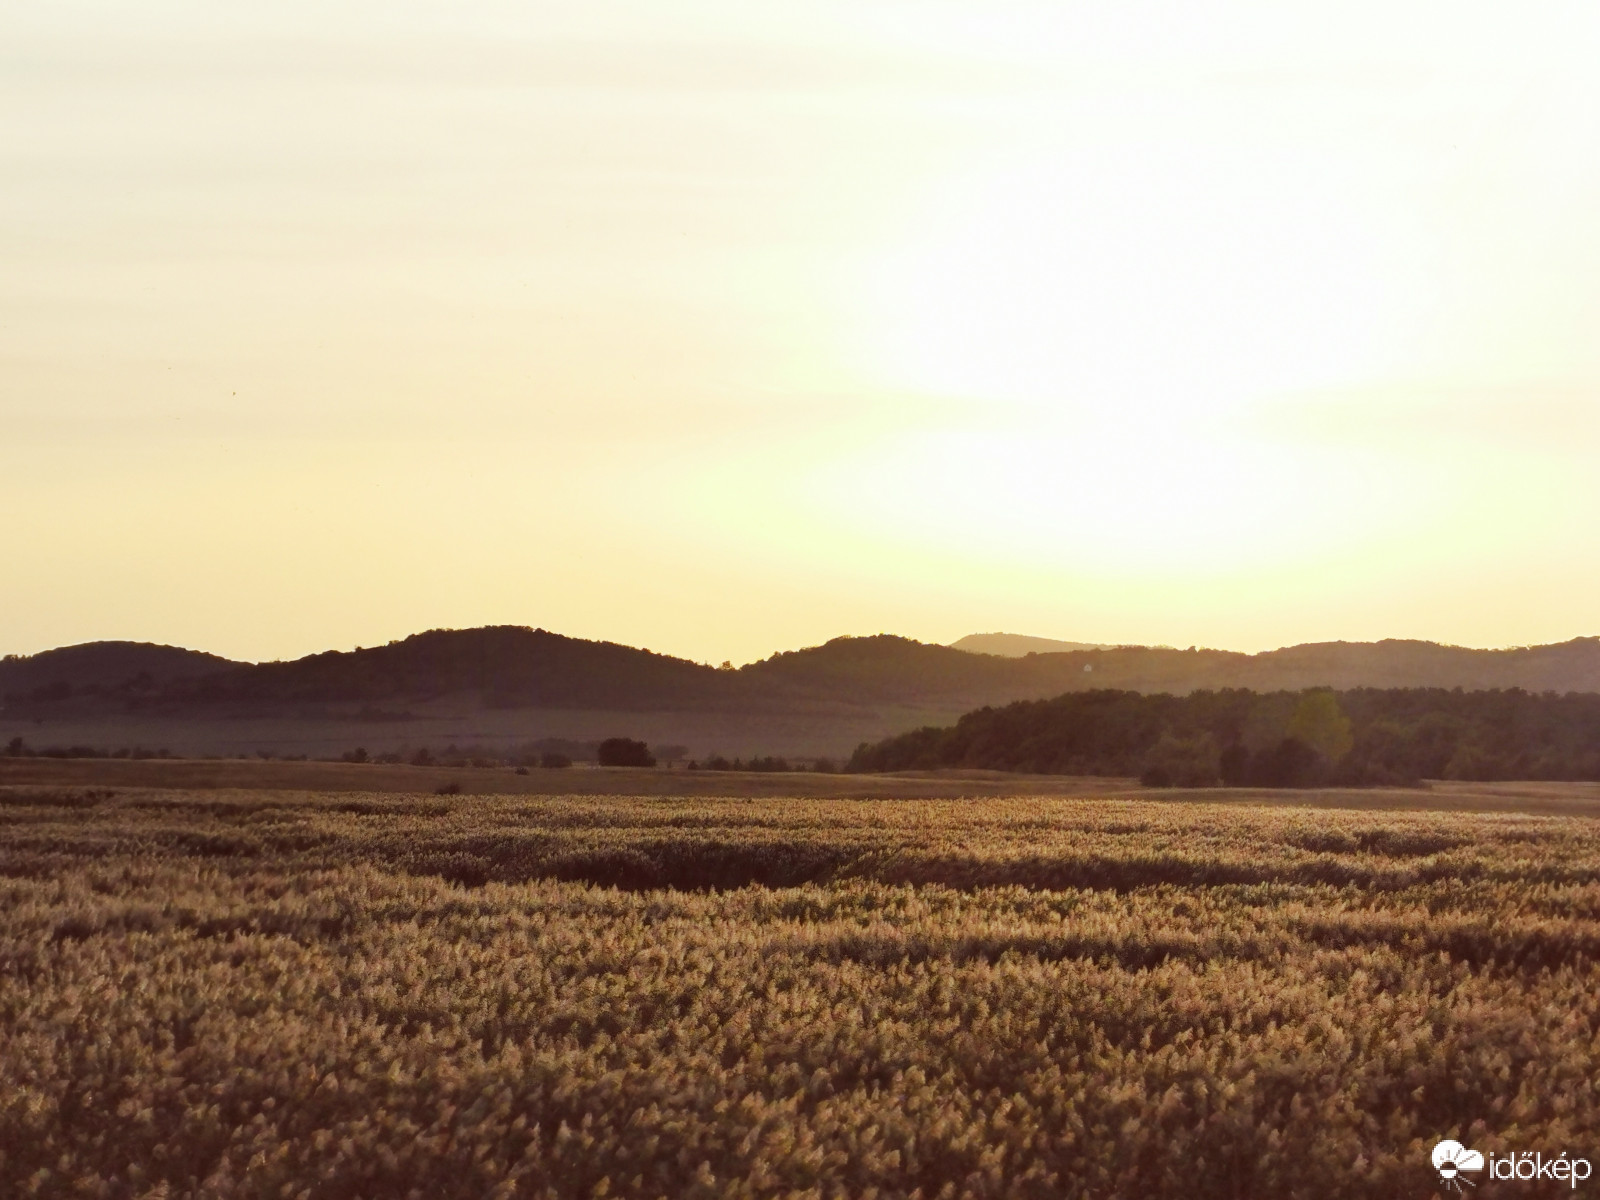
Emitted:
pixel 512 667
pixel 105 668
pixel 503 666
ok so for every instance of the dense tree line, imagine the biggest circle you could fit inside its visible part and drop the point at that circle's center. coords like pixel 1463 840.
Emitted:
pixel 1274 739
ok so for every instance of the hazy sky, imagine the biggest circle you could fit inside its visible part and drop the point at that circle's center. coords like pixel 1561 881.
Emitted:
pixel 723 328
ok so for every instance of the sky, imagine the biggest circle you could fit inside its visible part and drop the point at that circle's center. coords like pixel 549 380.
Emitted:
pixel 727 328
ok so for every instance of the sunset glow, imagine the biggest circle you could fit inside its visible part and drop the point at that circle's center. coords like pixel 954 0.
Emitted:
pixel 722 329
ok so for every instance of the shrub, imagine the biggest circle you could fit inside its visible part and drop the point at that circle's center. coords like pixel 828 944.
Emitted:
pixel 1181 762
pixel 624 752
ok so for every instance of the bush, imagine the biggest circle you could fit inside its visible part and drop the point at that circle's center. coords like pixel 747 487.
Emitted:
pixel 624 752
pixel 1291 763
pixel 1234 766
pixel 1181 762
pixel 550 760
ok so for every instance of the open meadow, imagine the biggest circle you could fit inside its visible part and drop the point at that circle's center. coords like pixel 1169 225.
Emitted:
pixel 255 991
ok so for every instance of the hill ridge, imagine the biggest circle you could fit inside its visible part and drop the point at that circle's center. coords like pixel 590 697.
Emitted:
pixel 514 666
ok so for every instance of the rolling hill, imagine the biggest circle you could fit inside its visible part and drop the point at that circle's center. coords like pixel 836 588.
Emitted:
pixel 516 667
pixel 507 682
pixel 121 668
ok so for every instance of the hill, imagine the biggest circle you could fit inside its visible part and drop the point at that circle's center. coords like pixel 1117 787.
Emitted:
pixel 118 670
pixel 889 669
pixel 501 666
pixel 507 685
pixel 515 667
pixel 1015 645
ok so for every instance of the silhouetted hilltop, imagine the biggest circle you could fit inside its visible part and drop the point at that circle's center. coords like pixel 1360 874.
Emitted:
pixel 515 667
pixel 1015 645
pixel 1565 667
pixel 102 669
pixel 504 666
pixel 886 668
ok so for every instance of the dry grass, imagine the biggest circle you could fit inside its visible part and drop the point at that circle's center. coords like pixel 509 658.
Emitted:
pixel 212 774
pixel 256 993
pixel 1552 799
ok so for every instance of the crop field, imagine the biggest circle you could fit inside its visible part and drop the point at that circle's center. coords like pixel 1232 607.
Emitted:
pixel 262 993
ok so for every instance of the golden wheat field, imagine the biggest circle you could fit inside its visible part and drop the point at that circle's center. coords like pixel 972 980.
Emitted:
pixel 298 995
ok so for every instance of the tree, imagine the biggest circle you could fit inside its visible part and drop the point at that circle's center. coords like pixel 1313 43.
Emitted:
pixel 624 752
pixel 1181 762
pixel 1320 723
pixel 1291 763
pixel 1234 765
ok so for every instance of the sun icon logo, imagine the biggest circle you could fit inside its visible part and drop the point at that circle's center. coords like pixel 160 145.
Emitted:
pixel 1450 1159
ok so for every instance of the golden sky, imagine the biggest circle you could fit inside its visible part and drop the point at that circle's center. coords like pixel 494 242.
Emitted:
pixel 722 328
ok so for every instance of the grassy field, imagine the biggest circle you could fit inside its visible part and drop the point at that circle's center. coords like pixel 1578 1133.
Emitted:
pixel 828 729
pixel 1541 798
pixel 262 992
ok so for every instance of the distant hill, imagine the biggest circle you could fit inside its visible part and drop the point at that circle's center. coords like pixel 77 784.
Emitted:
pixel 106 669
pixel 1018 645
pixel 512 667
pixel 515 667
pixel 889 669
pixel 501 666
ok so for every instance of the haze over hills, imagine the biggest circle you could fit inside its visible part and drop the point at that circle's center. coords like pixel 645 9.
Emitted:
pixel 1016 645
pixel 509 683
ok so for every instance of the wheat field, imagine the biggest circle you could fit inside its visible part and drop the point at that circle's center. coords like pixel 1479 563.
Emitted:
pixel 301 995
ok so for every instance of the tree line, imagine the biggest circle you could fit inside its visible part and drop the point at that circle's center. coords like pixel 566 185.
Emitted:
pixel 1237 737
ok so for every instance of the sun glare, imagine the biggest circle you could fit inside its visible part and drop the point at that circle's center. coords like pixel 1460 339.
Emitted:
pixel 1163 279
pixel 1115 317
